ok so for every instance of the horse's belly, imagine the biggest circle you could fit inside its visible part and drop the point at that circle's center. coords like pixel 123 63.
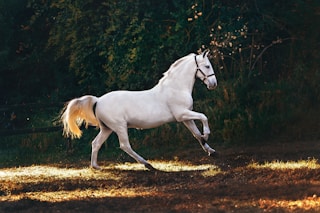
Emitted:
pixel 147 124
pixel 148 120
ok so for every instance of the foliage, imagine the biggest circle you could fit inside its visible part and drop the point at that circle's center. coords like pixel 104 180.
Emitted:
pixel 132 46
pixel 257 60
pixel 265 54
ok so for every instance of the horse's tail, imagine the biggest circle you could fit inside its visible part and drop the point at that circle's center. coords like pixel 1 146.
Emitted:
pixel 76 112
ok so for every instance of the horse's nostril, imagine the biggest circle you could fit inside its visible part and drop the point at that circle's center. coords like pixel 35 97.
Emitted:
pixel 211 87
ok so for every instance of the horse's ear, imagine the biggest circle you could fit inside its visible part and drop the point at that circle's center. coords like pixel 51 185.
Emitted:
pixel 205 52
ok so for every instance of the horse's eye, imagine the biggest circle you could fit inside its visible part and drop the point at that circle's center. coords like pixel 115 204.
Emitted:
pixel 207 66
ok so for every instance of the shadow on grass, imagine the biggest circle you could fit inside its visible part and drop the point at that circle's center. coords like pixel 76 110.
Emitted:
pixel 115 189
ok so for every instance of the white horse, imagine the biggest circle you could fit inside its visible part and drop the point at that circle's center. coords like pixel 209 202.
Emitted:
pixel 170 100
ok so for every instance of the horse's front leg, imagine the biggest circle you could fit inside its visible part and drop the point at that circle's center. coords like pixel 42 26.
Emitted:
pixel 197 134
pixel 190 116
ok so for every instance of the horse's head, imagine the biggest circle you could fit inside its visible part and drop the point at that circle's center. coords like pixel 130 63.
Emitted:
pixel 205 71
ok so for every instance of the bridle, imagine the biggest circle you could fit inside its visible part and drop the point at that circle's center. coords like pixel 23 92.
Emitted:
pixel 198 69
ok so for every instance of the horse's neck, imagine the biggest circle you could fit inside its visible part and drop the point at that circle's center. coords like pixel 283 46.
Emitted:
pixel 182 78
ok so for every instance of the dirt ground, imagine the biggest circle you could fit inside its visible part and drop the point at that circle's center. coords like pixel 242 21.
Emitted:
pixel 280 177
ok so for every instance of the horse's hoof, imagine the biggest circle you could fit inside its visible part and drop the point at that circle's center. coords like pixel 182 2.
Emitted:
pixel 96 167
pixel 151 168
pixel 213 154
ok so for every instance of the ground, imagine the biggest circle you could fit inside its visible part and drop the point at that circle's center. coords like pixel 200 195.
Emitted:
pixel 277 177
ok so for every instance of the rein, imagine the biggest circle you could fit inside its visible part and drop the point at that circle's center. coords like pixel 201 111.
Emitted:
pixel 198 69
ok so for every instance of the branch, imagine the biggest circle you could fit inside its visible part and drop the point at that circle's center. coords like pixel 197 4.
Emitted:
pixel 279 41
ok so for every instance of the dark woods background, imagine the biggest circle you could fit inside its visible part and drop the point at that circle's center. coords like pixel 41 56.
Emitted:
pixel 265 54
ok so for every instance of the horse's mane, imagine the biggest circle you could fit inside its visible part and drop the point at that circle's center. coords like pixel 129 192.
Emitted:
pixel 173 67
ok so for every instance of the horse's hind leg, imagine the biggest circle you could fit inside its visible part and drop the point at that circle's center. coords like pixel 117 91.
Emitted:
pixel 126 147
pixel 96 145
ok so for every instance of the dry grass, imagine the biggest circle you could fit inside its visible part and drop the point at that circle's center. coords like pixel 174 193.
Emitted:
pixel 280 165
pixel 306 204
pixel 15 179
pixel 32 174
pixel 264 187
pixel 166 166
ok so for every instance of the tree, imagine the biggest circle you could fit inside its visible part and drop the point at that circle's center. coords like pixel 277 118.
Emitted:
pixel 261 51
pixel 119 44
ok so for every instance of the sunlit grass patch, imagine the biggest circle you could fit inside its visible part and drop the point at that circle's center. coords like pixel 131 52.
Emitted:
pixel 16 183
pixel 63 195
pixel 278 165
pixel 167 166
pixel 212 172
pixel 43 173
pixel 32 174
pixel 39 182
pixel 305 204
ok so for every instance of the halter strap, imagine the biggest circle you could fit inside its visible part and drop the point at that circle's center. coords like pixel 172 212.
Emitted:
pixel 198 69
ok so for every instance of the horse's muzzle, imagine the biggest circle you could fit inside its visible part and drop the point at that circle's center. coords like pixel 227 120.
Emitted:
pixel 212 87
pixel 212 84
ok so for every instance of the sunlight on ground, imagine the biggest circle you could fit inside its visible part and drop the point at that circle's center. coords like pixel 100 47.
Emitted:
pixel 15 179
pixel 54 184
pixel 36 173
pixel 306 204
pixel 173 166
pixel 62 195
pixel 166 166
pixel 42 173
pixel 278 165
pixel 270 205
